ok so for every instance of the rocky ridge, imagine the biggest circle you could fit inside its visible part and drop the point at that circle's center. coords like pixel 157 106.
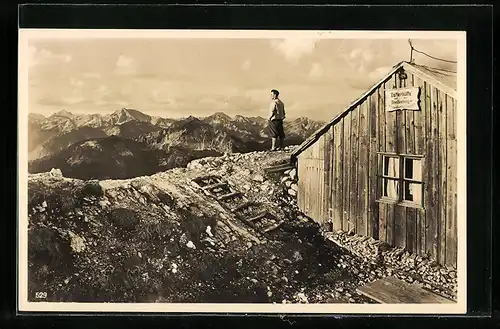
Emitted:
pixel 50 135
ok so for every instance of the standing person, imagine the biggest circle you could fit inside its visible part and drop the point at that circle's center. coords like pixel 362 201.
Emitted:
pixel 276 117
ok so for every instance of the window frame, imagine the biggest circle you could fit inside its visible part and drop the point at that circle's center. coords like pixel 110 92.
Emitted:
pixel 401 179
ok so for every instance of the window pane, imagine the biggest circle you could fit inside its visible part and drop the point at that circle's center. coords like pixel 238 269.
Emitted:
pixel 413 192
pixel 390 188
pixel 413 169
pixel 408 168
pixel 391 166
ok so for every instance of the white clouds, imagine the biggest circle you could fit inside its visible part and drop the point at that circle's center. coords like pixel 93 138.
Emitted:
pixel 124 61
pixel 303 69
pixel 364 56
pixel 36 56
pixel 76 83
pixel 361 59
pixel 294 49
pixel 125 65
pixel 47 54
pixel 92 75
pixel 379 72
pixel 155 93
pixel 73 100
pixel 102 89
pixel 316 71
pixel 159 96
pixel 246 65
pixel 111 104
pixel 32 60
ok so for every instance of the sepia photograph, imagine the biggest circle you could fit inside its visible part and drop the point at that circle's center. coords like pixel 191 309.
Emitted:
pixel 242 171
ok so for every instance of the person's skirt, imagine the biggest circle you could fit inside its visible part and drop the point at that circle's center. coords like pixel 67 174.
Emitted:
pixel 276 129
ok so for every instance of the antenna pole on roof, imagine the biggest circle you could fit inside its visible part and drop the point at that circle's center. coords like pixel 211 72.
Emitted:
pixel 411 50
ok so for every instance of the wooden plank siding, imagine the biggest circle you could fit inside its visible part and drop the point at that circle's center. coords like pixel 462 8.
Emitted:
pixel 401 132
pixel 340 171
pixel 354 164
pixel 327 169
pixel 442 143
pixel 391 137
pixel 338 163
pixel 346 159
pixel 451 192
pixel 433 174
pixel 381 133
pixel 372 169
pixel 420 137
pixel 363 161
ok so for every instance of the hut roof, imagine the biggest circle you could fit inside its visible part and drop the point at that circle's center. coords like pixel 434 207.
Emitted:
pixel 442 79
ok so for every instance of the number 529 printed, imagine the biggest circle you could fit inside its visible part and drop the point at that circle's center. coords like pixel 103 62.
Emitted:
pixel 40 295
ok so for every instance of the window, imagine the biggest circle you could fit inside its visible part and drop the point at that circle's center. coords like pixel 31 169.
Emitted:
pixel 390 186
pixel 412 180
pixel 401 179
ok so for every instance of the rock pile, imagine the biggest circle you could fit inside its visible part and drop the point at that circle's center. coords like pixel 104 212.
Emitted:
pixel 289 182
pixel 399 262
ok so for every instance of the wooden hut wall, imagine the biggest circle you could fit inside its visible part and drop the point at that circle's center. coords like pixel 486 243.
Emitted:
pixel 312 193
pixel 338 174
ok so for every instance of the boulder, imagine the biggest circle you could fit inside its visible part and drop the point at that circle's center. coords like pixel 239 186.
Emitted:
pixel 302 298
pixel 77 242
pixel 258 178
pixel 56 172
pixel 190 245
pixel 297 256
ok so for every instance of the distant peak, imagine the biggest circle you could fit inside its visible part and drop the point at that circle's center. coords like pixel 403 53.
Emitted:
pixel 36 115
pixel 122 111
pixel 63 113
pixel 126 114
pixel 220 115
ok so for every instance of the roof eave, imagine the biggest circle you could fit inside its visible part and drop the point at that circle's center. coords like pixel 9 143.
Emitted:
pixel 314 137
pixel 406 66
pixel 438 84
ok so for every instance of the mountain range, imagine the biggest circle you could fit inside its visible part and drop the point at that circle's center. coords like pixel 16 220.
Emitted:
pixel 115 157
pixel 96 140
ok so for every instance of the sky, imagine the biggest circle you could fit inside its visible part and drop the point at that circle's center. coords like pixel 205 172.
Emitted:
pixel 317 78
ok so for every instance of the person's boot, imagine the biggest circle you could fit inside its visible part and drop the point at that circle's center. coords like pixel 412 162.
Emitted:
pixel 273 144
pixel 282 144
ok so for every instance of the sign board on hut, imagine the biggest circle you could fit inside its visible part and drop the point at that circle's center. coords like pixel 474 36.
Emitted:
pixel 402 99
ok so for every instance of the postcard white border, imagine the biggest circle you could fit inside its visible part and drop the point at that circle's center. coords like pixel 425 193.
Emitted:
pixel 25 35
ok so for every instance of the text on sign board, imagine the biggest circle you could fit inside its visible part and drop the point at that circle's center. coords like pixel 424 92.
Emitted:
pixel 402 99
